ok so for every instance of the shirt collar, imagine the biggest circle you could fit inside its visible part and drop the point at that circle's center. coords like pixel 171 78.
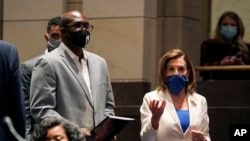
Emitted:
pixel 71 54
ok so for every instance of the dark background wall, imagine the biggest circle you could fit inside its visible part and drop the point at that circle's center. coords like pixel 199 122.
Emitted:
pixel 228 103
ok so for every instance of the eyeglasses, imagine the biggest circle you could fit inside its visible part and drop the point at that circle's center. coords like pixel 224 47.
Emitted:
pixel 80 26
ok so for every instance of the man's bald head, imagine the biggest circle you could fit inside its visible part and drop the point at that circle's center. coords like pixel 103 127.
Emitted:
pixel 75 30
pixel 72 17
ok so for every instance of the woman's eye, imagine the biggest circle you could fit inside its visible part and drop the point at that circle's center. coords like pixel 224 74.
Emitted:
pixel 170 69
pixel 181 69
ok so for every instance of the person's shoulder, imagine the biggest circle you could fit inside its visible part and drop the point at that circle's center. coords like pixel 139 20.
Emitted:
pixel 52 55
pixel 6 43
pixel 8 50
pixel 152 93
pixel 93 55
pixel 212 41
pixel 198 96
pixel 248 44
pixel 30 61
pixel 7 46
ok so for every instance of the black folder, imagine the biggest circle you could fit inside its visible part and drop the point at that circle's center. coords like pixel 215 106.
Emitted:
pixel 108 128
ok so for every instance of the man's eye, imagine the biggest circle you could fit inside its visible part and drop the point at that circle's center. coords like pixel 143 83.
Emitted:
pixel 77 25
pixel 59 138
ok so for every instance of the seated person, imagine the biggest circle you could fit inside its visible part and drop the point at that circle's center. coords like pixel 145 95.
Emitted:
pixel 57 129
pixel 227 48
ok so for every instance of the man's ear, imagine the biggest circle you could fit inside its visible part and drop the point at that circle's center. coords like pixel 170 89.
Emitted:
pixel 46 37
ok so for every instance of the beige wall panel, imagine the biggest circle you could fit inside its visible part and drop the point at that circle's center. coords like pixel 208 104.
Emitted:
pixel 184 34
pixel 120 42
pixel 32 9
pixel 152 48
pixel 151 8
pixel 25 22
pixel 241 7
pixel 172 34
pixel 183 8
pixel 74 6
pixel 27 36
pixel 191 41
pixel 113 8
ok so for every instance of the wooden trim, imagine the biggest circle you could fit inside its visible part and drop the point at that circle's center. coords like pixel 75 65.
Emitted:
pixel 223 68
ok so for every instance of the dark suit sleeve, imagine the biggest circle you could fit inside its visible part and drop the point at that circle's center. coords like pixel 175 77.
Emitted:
pixel 26 70
pixel 15 100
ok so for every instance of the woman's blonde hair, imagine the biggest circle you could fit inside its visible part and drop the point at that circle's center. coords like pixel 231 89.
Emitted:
pixel 240 32
pixel 174 54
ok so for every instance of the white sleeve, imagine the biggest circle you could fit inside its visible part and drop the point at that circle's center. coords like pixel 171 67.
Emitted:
pixel 147 132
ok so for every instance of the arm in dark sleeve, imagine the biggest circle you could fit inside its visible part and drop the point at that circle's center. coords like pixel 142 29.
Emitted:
pixel 16 100
pixel 26 72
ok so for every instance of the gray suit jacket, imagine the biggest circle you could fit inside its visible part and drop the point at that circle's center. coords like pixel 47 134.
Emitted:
pixel 58 89
pixel 26 73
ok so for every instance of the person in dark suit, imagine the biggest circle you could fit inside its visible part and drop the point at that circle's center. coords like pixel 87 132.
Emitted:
pixel 71 82
pixel 11 100
pixel 53 39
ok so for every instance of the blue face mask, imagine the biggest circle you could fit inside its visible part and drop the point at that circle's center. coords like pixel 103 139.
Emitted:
pixel 176 83
pixel 228 31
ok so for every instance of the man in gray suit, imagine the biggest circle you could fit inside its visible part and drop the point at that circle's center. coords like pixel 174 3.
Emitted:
pixel 53 39
pixel 70 82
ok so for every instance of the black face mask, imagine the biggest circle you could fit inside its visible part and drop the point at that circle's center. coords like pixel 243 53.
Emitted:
pixel 79 38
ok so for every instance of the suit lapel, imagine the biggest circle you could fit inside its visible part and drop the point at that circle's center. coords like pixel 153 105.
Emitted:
pixel 92 74
pixel 171 109
pixel 73 68
pixel 192 109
